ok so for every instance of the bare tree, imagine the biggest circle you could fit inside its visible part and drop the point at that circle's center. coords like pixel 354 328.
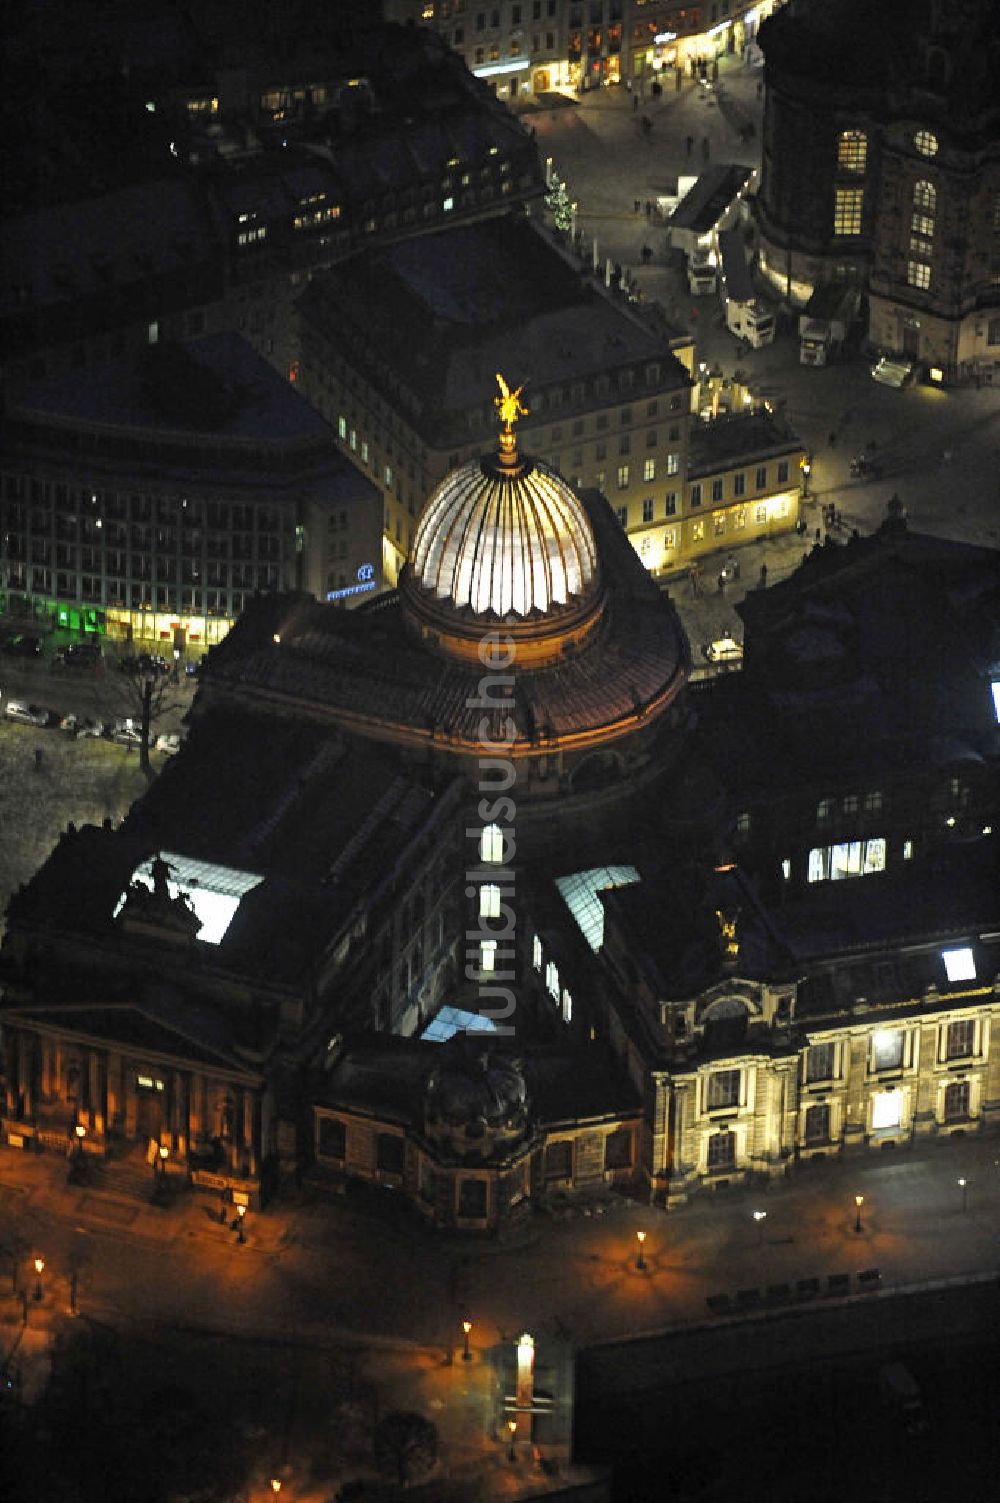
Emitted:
pixel 145 697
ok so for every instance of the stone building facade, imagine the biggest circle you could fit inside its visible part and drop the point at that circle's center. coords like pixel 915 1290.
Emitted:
pixel 881 166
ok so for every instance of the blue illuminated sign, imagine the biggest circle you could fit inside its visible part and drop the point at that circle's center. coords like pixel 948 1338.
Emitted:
pixel 365 572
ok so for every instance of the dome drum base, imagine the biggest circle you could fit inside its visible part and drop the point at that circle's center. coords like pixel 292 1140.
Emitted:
pixel 487 641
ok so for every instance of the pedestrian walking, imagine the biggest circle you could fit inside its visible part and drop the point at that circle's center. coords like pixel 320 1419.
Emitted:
pixel 721 585
pixel 763 576
pixel 636 204
pixel 649 208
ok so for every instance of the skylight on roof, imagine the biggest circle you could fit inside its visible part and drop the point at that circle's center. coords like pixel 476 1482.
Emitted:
pixel 959 964
pixel 579 893
pixel 214 892
pixel 452 1020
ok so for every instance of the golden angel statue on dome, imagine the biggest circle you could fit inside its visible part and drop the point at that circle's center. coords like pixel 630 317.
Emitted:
pixel 509 404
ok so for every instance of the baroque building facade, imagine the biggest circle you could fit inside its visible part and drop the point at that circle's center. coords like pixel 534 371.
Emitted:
pixel 881 166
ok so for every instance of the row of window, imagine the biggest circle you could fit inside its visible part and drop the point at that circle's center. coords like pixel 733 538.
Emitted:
pixel 888 1049
pixel 560 996
pixel 58 497
pixel 734 520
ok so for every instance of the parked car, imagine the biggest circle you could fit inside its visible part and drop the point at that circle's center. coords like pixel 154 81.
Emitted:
pixel 28 714
pixel 81 725
pixel 890 371
pixel 23 646
pixel 126 733
pixel 169 743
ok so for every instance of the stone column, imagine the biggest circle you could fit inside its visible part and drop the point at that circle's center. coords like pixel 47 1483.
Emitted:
pixel 131 1104
pixel 95 1093
pixel 179 1122
pixel 113 1088
pixel 25 1083
pixel 48 1051
pixel 196 1107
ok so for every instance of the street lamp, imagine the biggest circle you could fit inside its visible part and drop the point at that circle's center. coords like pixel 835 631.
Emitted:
pixel 760 1217
pixel 466 1328
pixel 39 1267
pixel 240 1213
pixel 276 1485
pixel 512 1427
pixel 859 1201
pixel 640 1261
pixel 805 465
pixel 964 1184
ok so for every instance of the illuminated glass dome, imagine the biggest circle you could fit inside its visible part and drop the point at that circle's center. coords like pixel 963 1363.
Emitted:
pixel 504 539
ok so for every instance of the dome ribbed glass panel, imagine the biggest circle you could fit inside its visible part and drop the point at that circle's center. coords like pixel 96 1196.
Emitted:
pixel 506 542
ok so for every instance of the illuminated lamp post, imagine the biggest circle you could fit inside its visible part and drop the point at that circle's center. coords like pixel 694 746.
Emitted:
pixel 640 1261
pixel 276 1485
pixel 964 1187
pixel 466 1328
pixel 859 1201
pixel 512 1427
pixel 805 465
pixel 240 1214
pixel 760 1217
pixel 39 1269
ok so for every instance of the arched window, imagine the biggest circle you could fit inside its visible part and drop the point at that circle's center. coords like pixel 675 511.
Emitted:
pixel 852 151
pixel 491 843
pixel 924 195
pixel 926 142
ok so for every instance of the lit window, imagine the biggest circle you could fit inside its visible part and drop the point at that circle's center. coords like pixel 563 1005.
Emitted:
pixel 697 532
pixel 907 850
pixel 918 274
pixel 649 470
pixel 873 803
pixel 886 1109
pixel 673 464
pixel 364 451
pixel 786 869
pixel 960 964
pixel 922 224
pixel 760 514
pixel 995 691
pixel 489 901
pixel 739 516
pixel 353 439
pixel 341 426
pixel 491 843
pixel 388 477
pixel 887 1049
pixel 669 539
pixel 926 142
pixel 847 211
pixel 719 523
pixel 924 195
pixel 487 955
pixel 567 1006
pixel 552 980
pixel 536 952
pixel 852 151
pixel 448 205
